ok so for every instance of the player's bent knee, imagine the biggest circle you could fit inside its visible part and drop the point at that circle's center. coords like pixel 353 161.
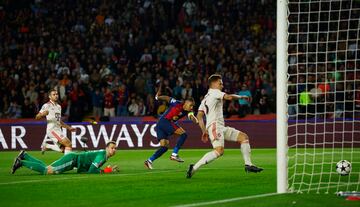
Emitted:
pixel 66 142
pixel 164 143
pixel 243 138
pixel 179 131
pixel 219 151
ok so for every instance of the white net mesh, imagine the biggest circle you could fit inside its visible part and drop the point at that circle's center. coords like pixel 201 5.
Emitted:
pixel 323 94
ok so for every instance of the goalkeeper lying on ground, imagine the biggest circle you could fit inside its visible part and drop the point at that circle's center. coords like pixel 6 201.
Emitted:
pixel 85 162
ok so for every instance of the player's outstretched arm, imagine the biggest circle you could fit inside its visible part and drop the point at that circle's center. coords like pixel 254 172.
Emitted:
pixel 200 117
pixel 163 98
pixel 159 97
pixel 232 97
pixel 67 126
pixel 97 163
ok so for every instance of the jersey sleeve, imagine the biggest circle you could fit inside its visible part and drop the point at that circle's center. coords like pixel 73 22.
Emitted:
pixel 173 102
pixel 219 94
pixel 97 163
pixel 202 107
pixel 44 108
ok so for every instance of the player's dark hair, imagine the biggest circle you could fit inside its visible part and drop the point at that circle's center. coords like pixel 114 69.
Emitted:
pixel 51 90
pixel 213 78
pixel 110 142
pixel 190 99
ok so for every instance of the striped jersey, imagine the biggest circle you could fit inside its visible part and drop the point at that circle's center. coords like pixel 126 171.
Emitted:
pixel 175 111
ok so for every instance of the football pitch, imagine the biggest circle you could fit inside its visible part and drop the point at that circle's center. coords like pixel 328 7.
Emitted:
pixel 221 183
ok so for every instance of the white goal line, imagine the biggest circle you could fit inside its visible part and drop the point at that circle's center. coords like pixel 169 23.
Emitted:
pixel 228 200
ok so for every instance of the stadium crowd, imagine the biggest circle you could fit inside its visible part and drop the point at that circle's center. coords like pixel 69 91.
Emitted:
pixel 109 57
pixel 324 81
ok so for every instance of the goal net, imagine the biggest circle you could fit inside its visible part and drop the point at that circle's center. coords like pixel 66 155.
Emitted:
pixel 323 94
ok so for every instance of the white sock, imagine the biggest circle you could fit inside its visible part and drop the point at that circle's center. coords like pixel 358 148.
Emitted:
pixel 67 150
pixel 206 159
pixel 54 147
pixel 174 154
pixel 245 150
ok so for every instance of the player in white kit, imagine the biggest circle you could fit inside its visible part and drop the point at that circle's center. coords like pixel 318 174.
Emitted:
pixel 52 111
pixel 212 107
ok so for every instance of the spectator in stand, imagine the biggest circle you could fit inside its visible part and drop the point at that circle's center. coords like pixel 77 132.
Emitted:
pixel 142 108
pixel 14 111
pixel 109 105
pixel 305 103
pixel 134 108
pixel 339 100
pixel 244 104
pixel 97 103
pixel 174 41
pixel 76 97
pixel 349 100
pixel 357 100
pixel 28 109
pixel 186 92
pixel 262 102
pixel 121 101
pixel 177 90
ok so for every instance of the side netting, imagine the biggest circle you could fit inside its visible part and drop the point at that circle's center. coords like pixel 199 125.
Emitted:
pixel 323 94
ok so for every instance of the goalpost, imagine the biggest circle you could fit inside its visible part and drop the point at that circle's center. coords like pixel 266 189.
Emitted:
pixel 318 95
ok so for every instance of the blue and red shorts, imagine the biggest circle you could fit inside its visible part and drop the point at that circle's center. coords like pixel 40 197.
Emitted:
pixel 165 128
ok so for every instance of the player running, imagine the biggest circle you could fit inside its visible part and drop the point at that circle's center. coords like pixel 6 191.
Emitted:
pixel 167 126
pixel 52 111
pixel 85 162
pixel 212 107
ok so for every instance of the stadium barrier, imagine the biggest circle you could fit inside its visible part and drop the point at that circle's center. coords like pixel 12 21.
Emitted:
pixel 127 134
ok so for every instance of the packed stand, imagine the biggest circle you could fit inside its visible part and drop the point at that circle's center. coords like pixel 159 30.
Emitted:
pixel 108 58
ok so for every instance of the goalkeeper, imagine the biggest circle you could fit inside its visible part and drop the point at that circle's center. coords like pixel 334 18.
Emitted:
pixel 85 162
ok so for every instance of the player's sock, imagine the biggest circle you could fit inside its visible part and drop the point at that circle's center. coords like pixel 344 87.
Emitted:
pixel 245 150
pixel 158 153
pixel 67 150
pixel 32 159
pixel 53 147
pixel 206 159
pixel 179 143
pixel 38 167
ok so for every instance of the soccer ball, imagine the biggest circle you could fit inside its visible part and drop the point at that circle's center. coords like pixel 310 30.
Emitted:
pixel 343 167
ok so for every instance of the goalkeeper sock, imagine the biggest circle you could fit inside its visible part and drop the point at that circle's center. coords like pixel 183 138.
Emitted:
pixel 53 147
pixel 206 159
pixel 38 167
pixel 179 143
pixel 245 150
pixel 32 159
pixel 158 153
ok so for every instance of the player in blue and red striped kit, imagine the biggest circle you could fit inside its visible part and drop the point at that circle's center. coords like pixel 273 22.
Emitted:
pixel 167 126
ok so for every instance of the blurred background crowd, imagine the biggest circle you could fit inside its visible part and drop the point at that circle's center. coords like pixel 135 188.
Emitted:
pixel 107 58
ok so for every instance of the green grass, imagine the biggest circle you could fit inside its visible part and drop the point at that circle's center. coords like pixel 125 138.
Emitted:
pixel 166 185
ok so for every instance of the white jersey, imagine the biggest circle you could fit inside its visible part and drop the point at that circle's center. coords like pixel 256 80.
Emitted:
pixel 54 116
pixel 212 106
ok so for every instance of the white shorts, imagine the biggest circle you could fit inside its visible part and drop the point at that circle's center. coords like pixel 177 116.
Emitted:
pixel 109 112
pixel 218 133
pixel 56 136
